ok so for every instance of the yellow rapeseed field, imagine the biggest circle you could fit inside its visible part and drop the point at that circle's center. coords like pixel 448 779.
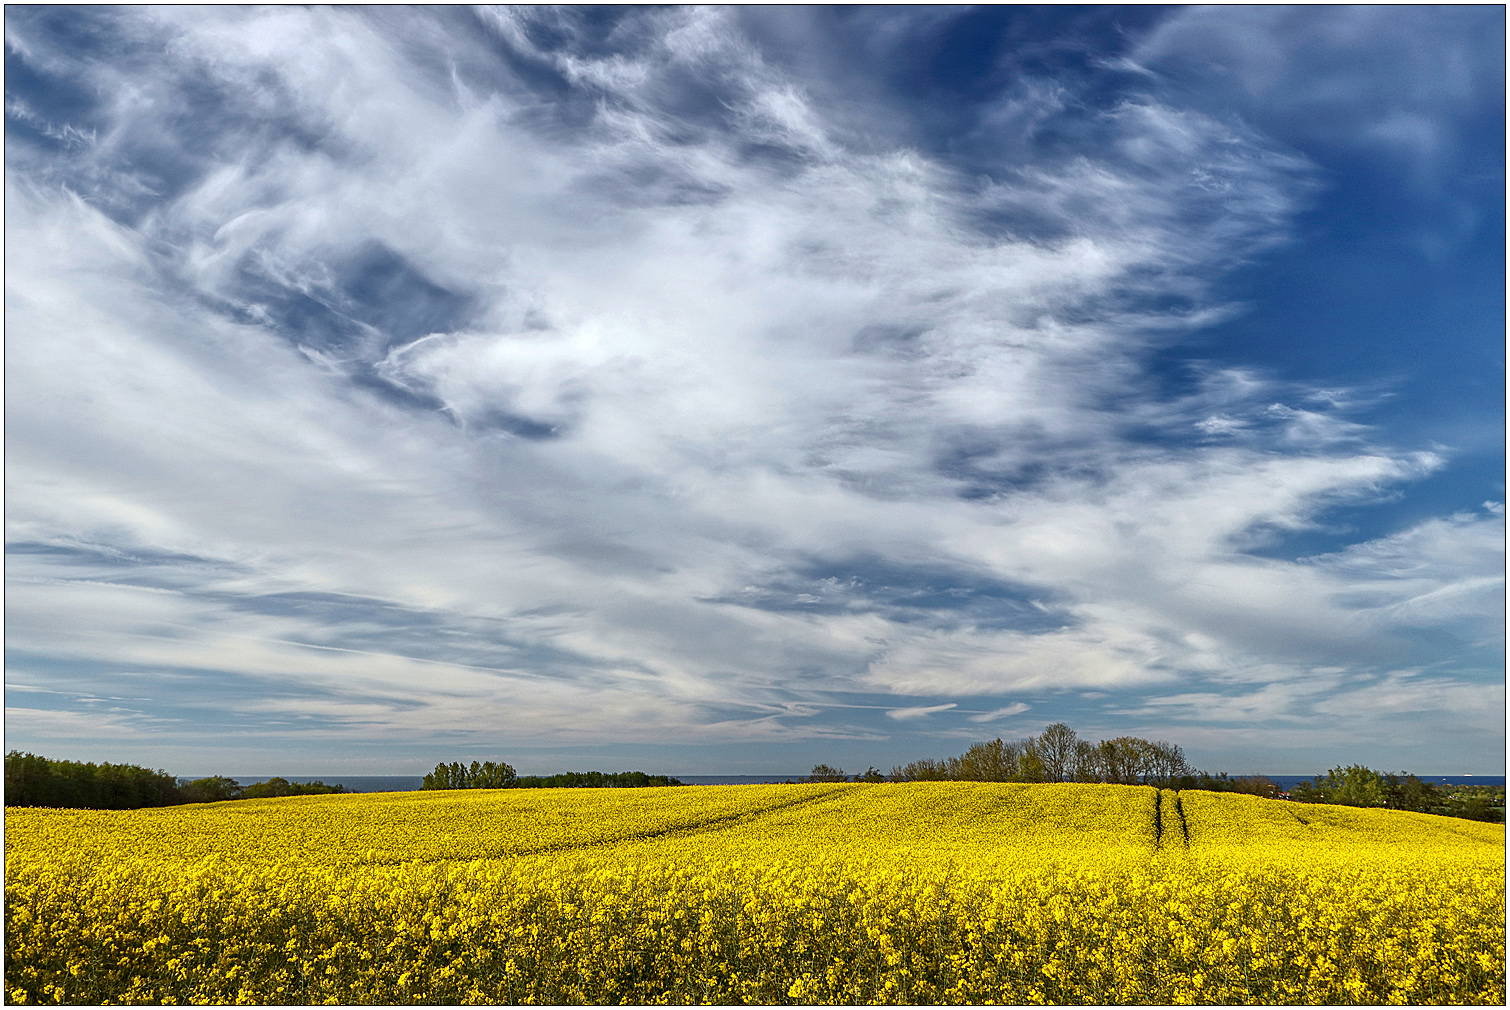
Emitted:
pixel 901 893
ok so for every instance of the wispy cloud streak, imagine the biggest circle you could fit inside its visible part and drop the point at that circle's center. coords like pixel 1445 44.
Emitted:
pixel 574 377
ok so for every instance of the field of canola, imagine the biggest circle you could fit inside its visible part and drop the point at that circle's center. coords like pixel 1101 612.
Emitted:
pixel 897 893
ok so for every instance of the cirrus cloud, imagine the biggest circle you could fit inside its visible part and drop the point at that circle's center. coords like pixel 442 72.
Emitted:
pixel 558 378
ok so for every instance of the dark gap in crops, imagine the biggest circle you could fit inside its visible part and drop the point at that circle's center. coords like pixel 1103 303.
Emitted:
pixel 1177 808
pixel 677 829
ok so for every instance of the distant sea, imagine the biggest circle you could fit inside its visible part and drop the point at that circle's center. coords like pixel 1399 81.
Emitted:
pixel 409 783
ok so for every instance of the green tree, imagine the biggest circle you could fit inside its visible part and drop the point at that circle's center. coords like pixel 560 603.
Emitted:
pixel 1350 786
pixel 35 781
pixel 1357 786
pixel 1406 792
pixel 591 780
pixel 490 775
pixel 446 776
pixel 1030 766
pixel 823 773
pixel 279 787
pixel 315 788
pixel 273 787
pixel 1478 803
pixel 480 775
pixel 991 761
pixel 212 789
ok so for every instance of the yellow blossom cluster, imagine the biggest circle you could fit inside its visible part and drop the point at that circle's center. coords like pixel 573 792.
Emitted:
pixel 895 893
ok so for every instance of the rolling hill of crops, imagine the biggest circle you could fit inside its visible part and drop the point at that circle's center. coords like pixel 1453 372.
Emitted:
pixel 910 893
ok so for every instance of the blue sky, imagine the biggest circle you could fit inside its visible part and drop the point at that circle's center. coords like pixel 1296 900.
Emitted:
pixel 725 390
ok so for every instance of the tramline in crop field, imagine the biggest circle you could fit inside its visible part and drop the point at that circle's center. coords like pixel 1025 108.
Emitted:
pixel 918 892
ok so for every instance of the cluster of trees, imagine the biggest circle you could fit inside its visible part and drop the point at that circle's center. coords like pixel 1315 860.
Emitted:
pixel 497 775
pixel 595 780
pixel 1357 786
pixel 1055 755
pixel 35 781
pixel 824 773
pixel 218 787
pixel 486 775
pixel 1059 755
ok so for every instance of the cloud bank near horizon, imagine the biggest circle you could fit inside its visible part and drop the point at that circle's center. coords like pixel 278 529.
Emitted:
pixel 390 380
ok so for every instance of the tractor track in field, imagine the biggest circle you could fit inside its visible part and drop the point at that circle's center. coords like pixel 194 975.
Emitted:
pixel 1166 816
pixel 685 828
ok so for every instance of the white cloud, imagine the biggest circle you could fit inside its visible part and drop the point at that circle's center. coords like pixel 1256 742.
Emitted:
pixel 59 724
pixel 696 338
pixel 1439 572
pixel 919 712
pixel 1314 70
pixel 1016 708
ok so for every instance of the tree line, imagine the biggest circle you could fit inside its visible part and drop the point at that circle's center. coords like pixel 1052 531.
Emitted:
pixel 35 781
pixel 1055 755
pixel 498 775
pixel 1058 754
pixel 217 787
pixel 1357 786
